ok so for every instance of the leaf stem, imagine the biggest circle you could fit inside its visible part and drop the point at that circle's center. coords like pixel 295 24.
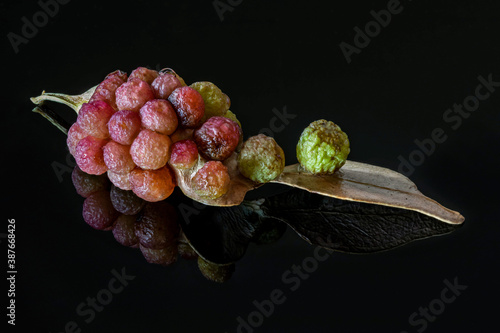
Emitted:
pixel 54 119
pixel 73 101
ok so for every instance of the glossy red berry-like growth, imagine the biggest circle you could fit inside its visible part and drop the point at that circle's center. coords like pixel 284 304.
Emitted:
pixel 133 94
pixel 150 150
pixel 120 180
pixel 189 105
pixel 145 129
pixel 144 74
pixel 75 134
pixel 212 180
pixel 93 118
pixel 106 90
pixel 124 126
pixel 89 155
pixel 152 185
pixel 184 154
pixel 164 84
pixel 217 138
pixel 117 157
pixel 158 115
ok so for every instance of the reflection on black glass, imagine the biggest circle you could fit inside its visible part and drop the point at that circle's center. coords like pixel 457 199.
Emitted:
pixel 176 227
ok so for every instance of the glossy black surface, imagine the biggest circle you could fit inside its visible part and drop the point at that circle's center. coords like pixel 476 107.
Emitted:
pixel 267 56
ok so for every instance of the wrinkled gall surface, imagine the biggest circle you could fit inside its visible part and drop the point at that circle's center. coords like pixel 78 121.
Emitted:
pixel 117 157
pixel 124 126
pixel 158 115
pixel 106 90
pixel 184 154
pixel 152 185
pixel 216 102
pixel 144 74
pixel 189 106
pixel 164 84
pixel 261 159
pixel 322 147
pixel 133 94
pixel 89 155
pixel 229 114
pixel 93 118
pixel 212 180
pixel 75 134
pixel 217 138
pixel 150 150
pixel 120 180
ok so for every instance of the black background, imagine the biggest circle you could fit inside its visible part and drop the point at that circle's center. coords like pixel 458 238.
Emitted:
pixel 264 55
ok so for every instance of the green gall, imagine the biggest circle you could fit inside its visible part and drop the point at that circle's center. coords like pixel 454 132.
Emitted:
pixel 216 102
pixel 322 147
pixel 230 115
pixel 261 159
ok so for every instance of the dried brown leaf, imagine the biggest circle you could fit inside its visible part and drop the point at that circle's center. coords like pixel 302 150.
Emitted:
pixel 370 184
